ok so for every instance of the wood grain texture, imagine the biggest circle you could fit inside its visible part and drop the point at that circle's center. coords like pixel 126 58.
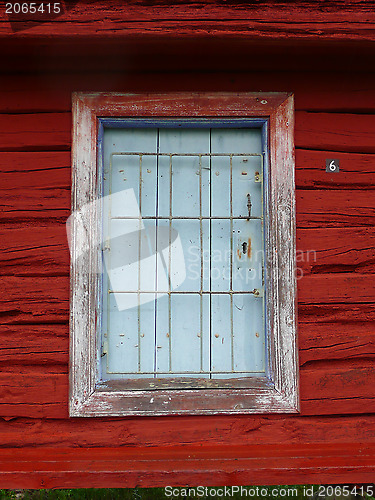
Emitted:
pixel 342 132
pixel 323 208
pixel 336 312
pixel 34 300
pixel 208 465
pixel 33 132
pixel 38 248
pixel 339 20
pixel 34 250
pixel 345 341
pixel 318 208
pixel 324 91
pixel 335 250
pixel 336 287
pixel 35 186
pixel 43 345
pixel 326 389
pixel 34 346
pixel 357 171
pixel 37 394
pixel 187 431
pixel 35 204
pixel 43 170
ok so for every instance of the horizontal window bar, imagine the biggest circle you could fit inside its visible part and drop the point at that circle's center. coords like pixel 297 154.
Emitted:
pixel 206 372
pixel 202 292
pixel 182 217
pixel 227 155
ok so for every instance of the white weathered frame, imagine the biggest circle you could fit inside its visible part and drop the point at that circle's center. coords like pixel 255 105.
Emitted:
pixel 279 390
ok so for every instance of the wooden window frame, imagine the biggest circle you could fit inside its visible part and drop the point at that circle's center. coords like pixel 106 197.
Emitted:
pixel 278 391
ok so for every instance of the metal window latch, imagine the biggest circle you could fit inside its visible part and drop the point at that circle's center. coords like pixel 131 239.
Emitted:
pixel 249 204
pixel 104 347
pixel 258 292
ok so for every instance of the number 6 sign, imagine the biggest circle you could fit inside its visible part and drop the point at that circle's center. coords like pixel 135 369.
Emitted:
pixel 332 166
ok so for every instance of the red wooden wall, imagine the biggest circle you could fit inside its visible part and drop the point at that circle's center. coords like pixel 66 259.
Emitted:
pixel 333 438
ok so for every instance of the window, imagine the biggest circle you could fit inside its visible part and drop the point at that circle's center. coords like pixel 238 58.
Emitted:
pixel 182 243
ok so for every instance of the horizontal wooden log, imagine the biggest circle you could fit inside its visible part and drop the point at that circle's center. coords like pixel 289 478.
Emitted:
pixel 324 208
pixel 193 466
pixel 352 20
pixel 239 28
pixel 33 394
pixel 320 131
pixel 48 344
pixel 331 390
pixel 35 204
pixel 356 170
pixel 335 132
pixel 45 170
pixel 315 208
pixel 167 431
pixel 33 132
pixel 335 250
pixel 336 287
pixel 340 11
pixel 36 179
pixel 37 345
pixel 34 346
pixel 335 331
pixel 337 389
pixel 52 169
pixel 28 299
pixel 336 313
pixel 34 250
pixel 34 300
pixel 329 341
pixel 42 249
pixel 313 91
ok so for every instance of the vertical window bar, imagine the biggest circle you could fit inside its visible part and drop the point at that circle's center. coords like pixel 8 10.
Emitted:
pixel 156 253
pixel 139 262
pixel 231 259
pixel 201 245
pixel 210 268
pixel 170 263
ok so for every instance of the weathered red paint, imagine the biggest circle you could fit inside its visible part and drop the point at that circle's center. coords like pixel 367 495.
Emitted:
pixel 249 48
